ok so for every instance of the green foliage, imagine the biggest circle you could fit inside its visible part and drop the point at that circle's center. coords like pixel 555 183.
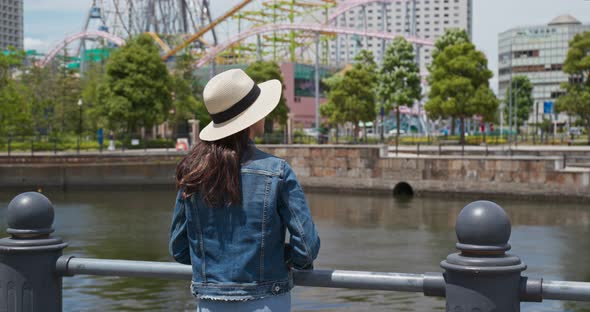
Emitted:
pixel 91 82
pixel 9 62
pixel 136 91
pixel 351 96
pixel 187 101
pixel 451 37
pixel 261 71
pixel 576 101
pixel 523 89
pixel 459 85
pixel 42 93
pixel 577 62
pixel 399 77
pixel 15 109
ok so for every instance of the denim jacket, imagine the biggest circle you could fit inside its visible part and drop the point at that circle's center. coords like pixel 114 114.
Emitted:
pixel 238 252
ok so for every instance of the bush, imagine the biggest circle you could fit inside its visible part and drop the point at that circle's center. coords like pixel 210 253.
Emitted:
pixel 490 140
pixel 415 140
pixel 160 143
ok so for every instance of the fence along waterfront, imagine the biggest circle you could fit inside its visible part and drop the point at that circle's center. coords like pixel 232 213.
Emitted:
pixel 480 277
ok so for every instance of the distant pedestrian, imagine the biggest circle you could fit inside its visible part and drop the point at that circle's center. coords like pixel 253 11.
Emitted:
pixel 111 141
pixel 235 202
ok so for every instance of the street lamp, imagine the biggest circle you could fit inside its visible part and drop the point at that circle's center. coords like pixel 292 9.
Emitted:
pixel 80 125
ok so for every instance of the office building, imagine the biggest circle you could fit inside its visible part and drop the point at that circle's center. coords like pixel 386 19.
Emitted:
pixel 11 24
pixel 432 18
pixel 538 52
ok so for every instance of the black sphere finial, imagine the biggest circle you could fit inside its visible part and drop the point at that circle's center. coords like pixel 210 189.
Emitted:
pixel 30 214
pixel 483 226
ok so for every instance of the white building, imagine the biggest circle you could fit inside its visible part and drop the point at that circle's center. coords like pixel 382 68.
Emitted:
pixel 538 52
pixel 11 24
pixel 432 18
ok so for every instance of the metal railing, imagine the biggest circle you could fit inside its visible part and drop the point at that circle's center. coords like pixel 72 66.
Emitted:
pixel 481 277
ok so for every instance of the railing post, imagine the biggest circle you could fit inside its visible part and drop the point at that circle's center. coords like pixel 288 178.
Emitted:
pixel 28 277
pixel 482 277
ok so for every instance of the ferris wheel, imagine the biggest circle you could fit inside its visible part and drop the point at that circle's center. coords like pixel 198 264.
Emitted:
pixel 126 18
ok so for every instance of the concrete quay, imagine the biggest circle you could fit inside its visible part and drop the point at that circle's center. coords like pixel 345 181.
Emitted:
pixel 362 168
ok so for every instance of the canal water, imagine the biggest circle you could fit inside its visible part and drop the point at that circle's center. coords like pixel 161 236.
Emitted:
pixel 370 233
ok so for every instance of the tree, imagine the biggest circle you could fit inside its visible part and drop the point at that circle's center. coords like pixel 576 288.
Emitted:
pixel 399 78
pixel 15 109
pixel 261 71
pixel 451 37
pixel 576 100
pixel 42 89
pixel 9 62
pixel 351 97
pixel 459 85
pixel 136 92
pixel 187 100
pixel 92 80
pixel 523 89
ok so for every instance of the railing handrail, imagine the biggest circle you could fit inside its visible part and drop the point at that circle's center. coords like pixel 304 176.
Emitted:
pixel 430 284
pixel 480 275
pixel 70 266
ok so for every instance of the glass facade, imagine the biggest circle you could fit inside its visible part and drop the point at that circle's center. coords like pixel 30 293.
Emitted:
pixel 537 52
pixel 304 79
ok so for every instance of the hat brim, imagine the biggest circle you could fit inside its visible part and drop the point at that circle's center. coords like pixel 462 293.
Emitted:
pixel 270 95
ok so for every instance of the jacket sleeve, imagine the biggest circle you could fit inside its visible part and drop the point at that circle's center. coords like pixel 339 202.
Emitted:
pixel 304 242
pixel 179 244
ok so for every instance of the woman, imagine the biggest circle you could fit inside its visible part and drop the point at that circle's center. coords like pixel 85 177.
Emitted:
pixel 235 202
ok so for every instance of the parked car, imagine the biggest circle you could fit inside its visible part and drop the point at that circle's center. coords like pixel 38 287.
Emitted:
pixel 575 131
pixel 393 132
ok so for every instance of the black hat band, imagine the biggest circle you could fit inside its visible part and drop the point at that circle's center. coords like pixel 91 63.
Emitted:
pixel 237 108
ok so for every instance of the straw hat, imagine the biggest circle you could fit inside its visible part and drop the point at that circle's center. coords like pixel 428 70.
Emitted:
pixel 235 102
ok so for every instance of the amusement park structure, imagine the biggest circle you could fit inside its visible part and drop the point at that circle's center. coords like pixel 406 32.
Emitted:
pixel 269 29
pixel 297 31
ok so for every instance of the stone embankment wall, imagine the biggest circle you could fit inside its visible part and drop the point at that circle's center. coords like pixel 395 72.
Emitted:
pixel 364 168
pixel 339 168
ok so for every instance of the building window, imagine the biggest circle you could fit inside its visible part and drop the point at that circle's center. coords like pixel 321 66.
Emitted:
pixel 526 53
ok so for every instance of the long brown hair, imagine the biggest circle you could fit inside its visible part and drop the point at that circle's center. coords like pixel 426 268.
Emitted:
pixel 212 169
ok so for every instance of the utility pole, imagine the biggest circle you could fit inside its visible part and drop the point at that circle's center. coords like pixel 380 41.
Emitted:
pixel 317 84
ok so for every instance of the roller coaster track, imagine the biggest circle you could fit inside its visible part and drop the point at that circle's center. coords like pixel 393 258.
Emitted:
pixel 81 35
pixel 159 41
pixel 201 32
pixel 327 29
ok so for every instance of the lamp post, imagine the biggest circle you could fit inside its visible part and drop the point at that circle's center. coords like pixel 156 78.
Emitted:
pixel 79 125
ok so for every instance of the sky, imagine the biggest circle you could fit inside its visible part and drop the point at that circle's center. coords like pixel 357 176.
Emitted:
pixel 47 22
